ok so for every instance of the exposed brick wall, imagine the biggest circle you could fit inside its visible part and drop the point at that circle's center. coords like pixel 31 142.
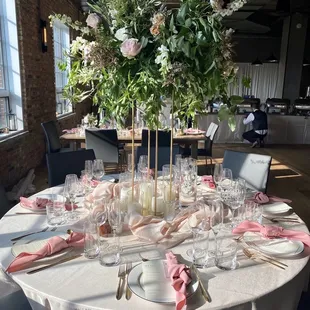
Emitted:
pixel 20 154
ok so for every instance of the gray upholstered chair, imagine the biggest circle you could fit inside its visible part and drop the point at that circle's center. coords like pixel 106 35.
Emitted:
pixel 163 155
pixel 105 144
pixel 253 168
pixel 61 164
pixel 52 138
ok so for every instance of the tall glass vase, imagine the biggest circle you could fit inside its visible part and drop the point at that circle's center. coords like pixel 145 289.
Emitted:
pixel 188 182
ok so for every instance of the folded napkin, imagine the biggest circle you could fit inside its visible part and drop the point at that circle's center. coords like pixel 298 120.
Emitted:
pixel 54 245
pixel 180 278
pixel 40 204
pixel 104 190
pixel 272 231
pixel 208 179
pixel 262 198
pixel 73 130
pixel 167 235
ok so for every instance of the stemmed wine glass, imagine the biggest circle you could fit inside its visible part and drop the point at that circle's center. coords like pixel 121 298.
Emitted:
pixel 71 190
pixel 216 219
pixel 98 169
pixel 218 173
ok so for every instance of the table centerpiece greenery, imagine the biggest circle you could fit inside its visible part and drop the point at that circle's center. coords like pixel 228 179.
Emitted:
pixel 136 51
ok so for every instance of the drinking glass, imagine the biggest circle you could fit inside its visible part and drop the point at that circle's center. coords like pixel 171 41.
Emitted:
pixel 91 240
pixel 130 167
pixel 89 169
pixel 226 251
pixel 146 195
pixel 55 211
pixel 218 173
pixel 143 164
pixel 188 182
pixel 98 169
pixel 70 192
pixel 216 210
pixel 169 211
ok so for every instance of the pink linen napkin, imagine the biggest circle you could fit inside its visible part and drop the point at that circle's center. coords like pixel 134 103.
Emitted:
pixel 40 203
pixel 54 245
pixel 262 198
pixel 208 179
pixel 167 235
pixel 272 231
pixel 180 278
pixel 73 130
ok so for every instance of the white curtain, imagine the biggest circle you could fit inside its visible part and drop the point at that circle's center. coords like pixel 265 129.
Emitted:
pixel 264 81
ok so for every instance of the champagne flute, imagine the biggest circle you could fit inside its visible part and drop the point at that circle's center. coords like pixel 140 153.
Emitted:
pixel 71 191
pixel 216 219
pixel 98 169
pixel 89 169
pixel 129 163
pixel 218 173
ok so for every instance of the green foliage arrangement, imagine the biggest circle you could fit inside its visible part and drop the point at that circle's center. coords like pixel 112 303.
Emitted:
pixel 136 51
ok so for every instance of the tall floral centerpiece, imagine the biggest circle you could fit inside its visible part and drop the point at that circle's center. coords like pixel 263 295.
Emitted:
pixel 134 52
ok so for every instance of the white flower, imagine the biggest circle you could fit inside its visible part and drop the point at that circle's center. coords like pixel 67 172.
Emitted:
pixel 217 5
pixel 88 48
pixel 93 20
pixel 122 34
pixel 163 59
pixel 131 48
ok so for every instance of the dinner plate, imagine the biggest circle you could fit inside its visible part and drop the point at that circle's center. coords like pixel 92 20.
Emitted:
pixel 279 247
pixel 135 284
pixel 277 208
pixel 35 242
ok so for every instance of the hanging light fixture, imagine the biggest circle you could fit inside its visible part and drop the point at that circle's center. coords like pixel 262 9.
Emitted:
pixel 272 59
pixel 257 62
pixel 43 35
pixel 306 62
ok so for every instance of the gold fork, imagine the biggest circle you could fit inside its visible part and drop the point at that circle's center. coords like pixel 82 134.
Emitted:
pixel 254 256
pixel 127 290
pixel 248 246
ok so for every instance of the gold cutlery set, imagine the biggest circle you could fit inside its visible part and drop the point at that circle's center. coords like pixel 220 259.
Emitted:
pixel 123 272
pixel 255 254
pixel 282 219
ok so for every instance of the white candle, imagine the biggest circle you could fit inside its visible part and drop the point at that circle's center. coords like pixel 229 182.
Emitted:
pixel 160 204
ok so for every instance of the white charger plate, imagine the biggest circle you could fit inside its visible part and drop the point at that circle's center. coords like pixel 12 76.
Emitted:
pixel 277 208
pixel 279 247
pixel 135 284
pixel 35 242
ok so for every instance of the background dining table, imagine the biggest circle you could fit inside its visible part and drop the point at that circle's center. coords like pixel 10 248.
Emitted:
pixel 75 140
pixel 84 284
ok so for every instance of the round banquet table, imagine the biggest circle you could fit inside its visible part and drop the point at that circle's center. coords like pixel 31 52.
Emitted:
pixel 84 284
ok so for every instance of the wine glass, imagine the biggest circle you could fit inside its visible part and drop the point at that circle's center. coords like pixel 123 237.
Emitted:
pixel 89 169
pixel 227 177
pixel 71 189
pixel 98 169
pixel 218 173
pixel 143 163
pixel 216 219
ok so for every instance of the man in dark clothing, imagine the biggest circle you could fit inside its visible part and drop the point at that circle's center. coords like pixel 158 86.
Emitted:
pixel 260 126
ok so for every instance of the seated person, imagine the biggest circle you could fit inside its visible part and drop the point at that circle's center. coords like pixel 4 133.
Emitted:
pixel 260 126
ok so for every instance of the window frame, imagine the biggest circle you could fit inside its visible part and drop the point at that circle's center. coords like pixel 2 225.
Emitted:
pixel 61 104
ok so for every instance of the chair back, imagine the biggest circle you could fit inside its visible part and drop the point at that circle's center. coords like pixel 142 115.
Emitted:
pixel 253 168
pixel 164 138
pixel 163 155
pixel 51 136
pixel 104 142
pixel 61 164
pixel 5 205
pixel 210 134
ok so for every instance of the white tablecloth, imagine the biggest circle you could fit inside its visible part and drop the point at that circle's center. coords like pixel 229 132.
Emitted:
pixel 83 284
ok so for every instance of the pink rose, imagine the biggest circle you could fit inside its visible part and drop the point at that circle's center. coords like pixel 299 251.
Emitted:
pixel 93 20
pixel 131 48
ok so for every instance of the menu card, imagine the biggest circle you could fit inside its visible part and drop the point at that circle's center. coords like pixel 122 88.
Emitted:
pixel 156 282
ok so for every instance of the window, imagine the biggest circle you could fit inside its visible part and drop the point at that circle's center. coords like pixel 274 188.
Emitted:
pixel 10 88
pixel 61 45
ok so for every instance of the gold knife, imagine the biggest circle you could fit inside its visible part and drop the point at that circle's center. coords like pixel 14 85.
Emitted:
pixel 54 264
pixel 204 292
